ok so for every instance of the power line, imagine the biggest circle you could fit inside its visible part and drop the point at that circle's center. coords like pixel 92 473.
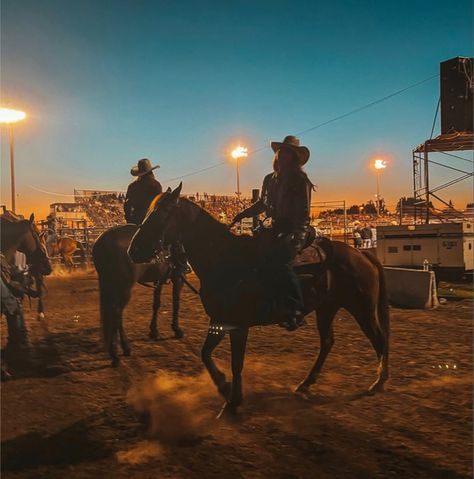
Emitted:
pixel 324 123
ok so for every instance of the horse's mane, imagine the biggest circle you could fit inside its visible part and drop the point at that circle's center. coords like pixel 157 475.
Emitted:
pixel 154 201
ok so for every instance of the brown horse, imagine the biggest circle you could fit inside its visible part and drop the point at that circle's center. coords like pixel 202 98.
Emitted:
pixel 232 290
pixel 64 247
pixel 117 275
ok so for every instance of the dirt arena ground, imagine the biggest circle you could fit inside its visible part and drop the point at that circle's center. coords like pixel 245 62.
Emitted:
pixel 67 414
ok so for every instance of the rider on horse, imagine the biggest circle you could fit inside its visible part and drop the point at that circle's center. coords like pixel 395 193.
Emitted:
pixel 140 194
pixel 286 199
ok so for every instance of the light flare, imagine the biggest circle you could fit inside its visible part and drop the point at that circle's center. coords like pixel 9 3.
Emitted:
pixel 239 152
pixel 7 115
pixel 380 164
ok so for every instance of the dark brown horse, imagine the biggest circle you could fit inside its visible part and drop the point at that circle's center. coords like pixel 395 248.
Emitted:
pixel 21 235
pixel 232 291
pixel 117 275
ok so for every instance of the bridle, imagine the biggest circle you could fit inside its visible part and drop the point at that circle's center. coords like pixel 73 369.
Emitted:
pixel 163 244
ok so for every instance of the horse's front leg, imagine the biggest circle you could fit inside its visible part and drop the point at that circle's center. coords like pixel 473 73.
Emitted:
pixel 238 342
pixel 40 291
pixel 154 334
pixel 177 281
pixel 215 335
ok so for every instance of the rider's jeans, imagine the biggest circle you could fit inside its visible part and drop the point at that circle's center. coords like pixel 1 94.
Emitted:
pixel 13 311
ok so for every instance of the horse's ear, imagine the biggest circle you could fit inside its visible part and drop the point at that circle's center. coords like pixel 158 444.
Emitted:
pixel 175 193
pixel 169 189
pixel 32 218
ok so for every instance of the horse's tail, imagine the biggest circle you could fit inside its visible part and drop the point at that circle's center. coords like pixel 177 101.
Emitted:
pixel 383 310
pixel 114 291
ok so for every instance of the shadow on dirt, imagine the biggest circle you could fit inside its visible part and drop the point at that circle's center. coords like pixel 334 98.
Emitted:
pixel 92 438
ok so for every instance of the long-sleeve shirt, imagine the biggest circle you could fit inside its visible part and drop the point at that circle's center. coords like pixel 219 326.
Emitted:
pixel 288 203
pixel 140 194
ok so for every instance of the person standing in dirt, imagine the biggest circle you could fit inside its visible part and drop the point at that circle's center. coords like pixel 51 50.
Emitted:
pixel 286 199
pixel 141 192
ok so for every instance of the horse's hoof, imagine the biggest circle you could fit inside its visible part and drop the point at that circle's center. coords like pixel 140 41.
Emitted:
pixel 154 336
pixel 228 411
pixel 115 362
pixel 40 316
pixel 302 389
pixel 178 333
pixel 225 389
pixel 377 387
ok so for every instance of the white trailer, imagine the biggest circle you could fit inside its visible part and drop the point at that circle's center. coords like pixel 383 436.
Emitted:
pixel 447 247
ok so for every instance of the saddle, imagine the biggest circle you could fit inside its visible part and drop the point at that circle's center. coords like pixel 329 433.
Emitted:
pixel 318 252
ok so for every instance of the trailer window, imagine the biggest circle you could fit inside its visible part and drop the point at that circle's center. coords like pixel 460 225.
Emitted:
pixel 470 245
pixel 406 247
pixel 393 249
pixel 417 247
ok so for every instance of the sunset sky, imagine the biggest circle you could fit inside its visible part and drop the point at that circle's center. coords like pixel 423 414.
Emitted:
pixel 106 82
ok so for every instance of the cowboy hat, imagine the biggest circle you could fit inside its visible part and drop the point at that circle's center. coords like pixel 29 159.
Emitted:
pixel 143 167
pixel 293 143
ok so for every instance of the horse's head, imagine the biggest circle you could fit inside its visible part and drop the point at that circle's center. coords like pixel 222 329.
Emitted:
pixel 159 229
pixel 34 250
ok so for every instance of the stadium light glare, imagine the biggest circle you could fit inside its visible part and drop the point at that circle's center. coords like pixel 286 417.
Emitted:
pixel 7 115
pixel 380 164
pixel 239 152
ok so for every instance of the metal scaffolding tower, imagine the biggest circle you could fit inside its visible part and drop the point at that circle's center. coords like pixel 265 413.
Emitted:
pixel 423 190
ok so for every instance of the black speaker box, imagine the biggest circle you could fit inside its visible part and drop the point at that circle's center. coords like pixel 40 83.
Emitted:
pixel 456 95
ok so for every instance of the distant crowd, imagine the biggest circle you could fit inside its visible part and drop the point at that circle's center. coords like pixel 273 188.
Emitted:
pixel 103 209
pixel 224 208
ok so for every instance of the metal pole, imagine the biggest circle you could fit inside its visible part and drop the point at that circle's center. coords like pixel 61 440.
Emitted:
pixel 238 180
pixel 345 221
pixel 378 193
pixel 415 176
pixel 427 184
pixel 12 169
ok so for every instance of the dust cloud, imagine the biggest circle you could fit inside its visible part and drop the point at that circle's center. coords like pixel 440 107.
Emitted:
pixel 173 405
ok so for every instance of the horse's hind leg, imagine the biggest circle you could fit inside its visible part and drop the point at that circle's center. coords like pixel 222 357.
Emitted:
pixel 177 281
pixel 214 336
pixel 367 320
pixel 324 320
pixel 124 342
pixel 154 334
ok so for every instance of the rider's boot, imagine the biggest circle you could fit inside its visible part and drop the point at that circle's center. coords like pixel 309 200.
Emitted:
pixel 293 302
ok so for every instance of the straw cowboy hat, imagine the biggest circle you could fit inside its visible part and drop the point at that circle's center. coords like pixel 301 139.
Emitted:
pixel 293 143
pixel 143 167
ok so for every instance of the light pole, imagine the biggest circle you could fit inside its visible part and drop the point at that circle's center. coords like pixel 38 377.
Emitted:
pixel 239 152
pixel 379 165
pixel 9 117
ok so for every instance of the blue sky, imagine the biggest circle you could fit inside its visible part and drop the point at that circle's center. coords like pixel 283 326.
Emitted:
pixel 107 82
